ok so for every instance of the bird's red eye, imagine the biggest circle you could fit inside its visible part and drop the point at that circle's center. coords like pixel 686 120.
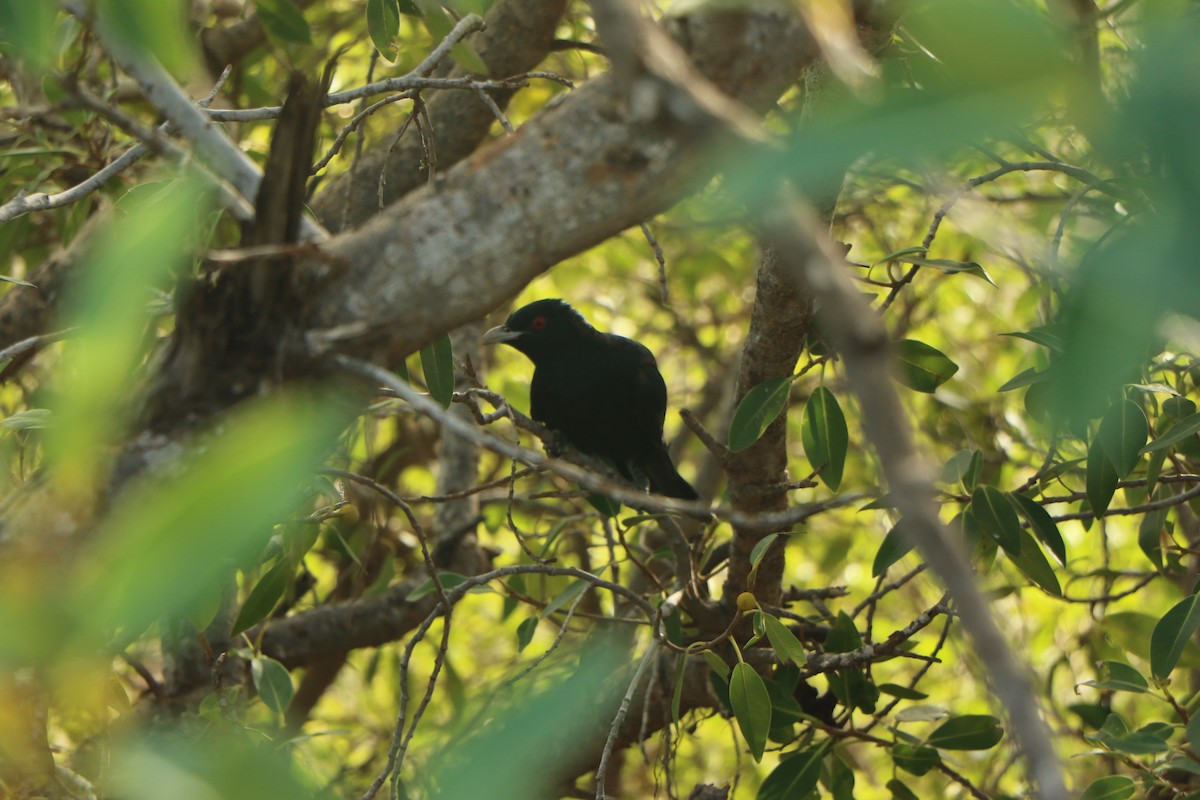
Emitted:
pixel 538 323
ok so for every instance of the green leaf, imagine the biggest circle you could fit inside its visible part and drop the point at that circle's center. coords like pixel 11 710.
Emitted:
pixel 895 545
pixel 794 777
pixel 272 682
pixel 902 692
pixel 1101 478
pixel 383 23
pixel 437 364
pixel 949 266
pixel 565 597
pixel 785 643
pixel 965 466
pixel 717 665
pixel 17 281
pixel 1027 377
pixel 1042 524
pixel 1117 676
pixel 1113 787
pixel 607 507
pixel 439 23
pixel 1193 730
pixel 166 543
pixel 757 411
pixel 448 580
pixel 825 436
pixel 900 791
pixel 997 518
pixel 1033 563
pixel 283 21
pixel 968 732
pixel 922 367
pixel 525 632
pixel 1172 633
pixel 843 636
pixel 1042 336
pixel 1123 431
pixel 751 707
pixel 1183 429
pixel 1150 529
pixel 29 419
pixel 760 547
pixel 263 596
pixel 915 759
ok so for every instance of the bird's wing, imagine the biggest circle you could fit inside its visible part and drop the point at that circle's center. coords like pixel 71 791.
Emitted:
pixel 647 391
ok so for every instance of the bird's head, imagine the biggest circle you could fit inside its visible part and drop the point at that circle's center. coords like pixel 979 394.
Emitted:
pixel 539 328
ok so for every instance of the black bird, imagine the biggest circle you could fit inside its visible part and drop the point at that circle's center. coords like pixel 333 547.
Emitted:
pixel 601 391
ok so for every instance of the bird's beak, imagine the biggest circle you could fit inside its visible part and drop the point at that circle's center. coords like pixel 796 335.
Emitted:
pixel 499 335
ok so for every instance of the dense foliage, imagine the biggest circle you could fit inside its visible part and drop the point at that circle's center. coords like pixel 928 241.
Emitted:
pixel 232 563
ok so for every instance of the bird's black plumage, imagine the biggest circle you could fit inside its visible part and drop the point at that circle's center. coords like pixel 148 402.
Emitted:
pixel 601 391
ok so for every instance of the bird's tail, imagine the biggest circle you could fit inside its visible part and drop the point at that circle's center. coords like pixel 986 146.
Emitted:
pixel 664 479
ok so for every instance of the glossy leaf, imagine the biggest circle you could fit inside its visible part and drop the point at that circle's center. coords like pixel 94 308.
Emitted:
pixel 1183 429
pixel 383 24
pixel 757 411
pixel 1027 377
pixel 949 266
pixel 282 20
pixel 825 437
pixel 1042 524
pixel 895 546
pixel 263 596
pixel 717 665
pixel 761 546
pixel 272 682
pixel 794 777
pixel 1101 478
pixel 437 365
pixel 968 732
pixel 785 643
pixel 1172 633
pixel 1117 676
pixel 1123 431
pixel 1112 787
pixel 1033 563
pixel 751 707
pixel 922 367
pixel 996 516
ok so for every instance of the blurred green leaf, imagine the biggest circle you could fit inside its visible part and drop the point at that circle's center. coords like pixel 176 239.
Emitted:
pixel 167 542
pixel 1112 787
pixel 751 707
pixel 1117 676
pixel 1185 428
pixel 159 27
pixel 29 419
pixel 139 250
pixel 1031 561
pixel 273 683
pixel 900 791
pixel 448 580
pixel 1042 336
pixel 1172 633
pixel 525 632
pixel 282 20
pixel 757 411
pixel 25 28
pixel 949 266
pixel 968 732
pixel 437 364
pixel 825 436
pixel 922 367
pixel 914 759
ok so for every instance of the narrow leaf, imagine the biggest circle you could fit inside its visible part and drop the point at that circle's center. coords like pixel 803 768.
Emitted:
pixel 1042 336
pixel 1183 429
pixel 785 643
pixel 437 364
pixel 760 547
pixel 893 548
pixel 263 596
pixel 1024 378
pixel 525 632
pixel 1042 524
pixel 1033 563
pixel 757 411
pixel 1101 478
pixel 751 707
pixel 968 732
pixel 1123 431
pixel 922 367
pixel 1171 635
pixel 825 436
pixel 997 518
pixel 950 266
